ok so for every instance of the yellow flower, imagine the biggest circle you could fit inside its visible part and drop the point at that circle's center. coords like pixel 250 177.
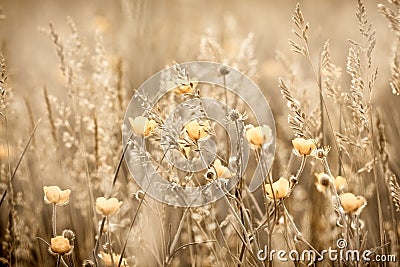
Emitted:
pixel 187 88
pixel 222 171
pixel 340 183
pixel 352 203
pixel 280 189
pixel 323 180
pixel 257 136
pixel 303 146
pixel 54 195
pixel 142 126
pixel 197 130
pixel 107 206
pixel 60 245
pixel 106 258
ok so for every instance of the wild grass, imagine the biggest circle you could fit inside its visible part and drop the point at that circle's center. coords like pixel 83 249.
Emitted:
pixel 68 198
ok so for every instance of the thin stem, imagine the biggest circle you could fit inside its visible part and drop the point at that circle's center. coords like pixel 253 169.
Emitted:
pixel 238 191
pixel 378 195
pixel 298 174
pixel 226 105
pixel 120 162
pixel 340 131
pixel 54 221
pixel 178 231
pixel 321 101
pixel 357 228
pixel 337 205
pixel 254 201
pixel 58 260
pixel 191 239
pixel 298 233
pixel 176 237
pixel 245 215
pixel 109 240
pixel 137 212
pixel 20 158
pixel 96 247
pixel 289 241
pixel 190 244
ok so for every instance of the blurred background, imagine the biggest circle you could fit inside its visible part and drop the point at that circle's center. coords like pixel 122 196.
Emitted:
pixel 149 35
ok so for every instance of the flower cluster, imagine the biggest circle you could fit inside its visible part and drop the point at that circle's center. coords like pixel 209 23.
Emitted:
pixel 59 244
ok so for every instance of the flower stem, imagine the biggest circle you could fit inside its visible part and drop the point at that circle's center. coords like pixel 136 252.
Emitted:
pixel 54 222
pixel 109 240
pixel 298 174
pixel 96 247
pixel 58 260
pixel 337 205
pixel 297 231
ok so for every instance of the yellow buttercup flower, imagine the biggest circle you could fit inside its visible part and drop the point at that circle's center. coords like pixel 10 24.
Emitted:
pixel 340 183
pixel 323 181
pixel 142 126
pixel 279 188
pixel 198 130
pixel 107 206
pixel 107 261
pixel 352 203
pixel 60 245
pixel 54 195
pixel 187 88
pixel 221 170
pixel 303 146
pixel 257 136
